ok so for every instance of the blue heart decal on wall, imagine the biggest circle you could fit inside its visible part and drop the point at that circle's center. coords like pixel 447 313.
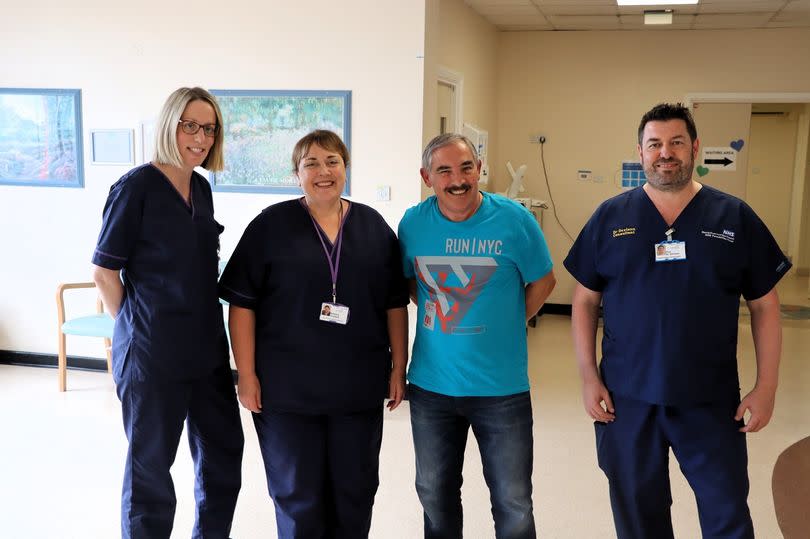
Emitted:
pixel 737 144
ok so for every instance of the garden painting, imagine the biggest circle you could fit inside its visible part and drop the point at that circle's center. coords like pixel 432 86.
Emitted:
pixel 261 129
pixel 40 137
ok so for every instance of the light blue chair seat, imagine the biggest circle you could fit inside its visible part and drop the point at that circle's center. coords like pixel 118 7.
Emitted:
pixel 95 325
pixel 99 324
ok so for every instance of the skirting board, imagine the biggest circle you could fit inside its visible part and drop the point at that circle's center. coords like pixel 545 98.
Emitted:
pixel 555 308
pixel 33 359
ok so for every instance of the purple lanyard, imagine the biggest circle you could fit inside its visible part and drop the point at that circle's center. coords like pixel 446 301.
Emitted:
pixel 333 266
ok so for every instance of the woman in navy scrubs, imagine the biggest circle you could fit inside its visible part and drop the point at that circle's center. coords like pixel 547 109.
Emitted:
pixel 319 332
pixel 156 268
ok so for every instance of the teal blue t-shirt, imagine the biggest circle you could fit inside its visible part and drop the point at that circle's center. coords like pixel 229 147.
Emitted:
pixel 471 278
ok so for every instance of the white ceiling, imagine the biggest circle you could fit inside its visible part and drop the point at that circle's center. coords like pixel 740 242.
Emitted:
pixel 523 15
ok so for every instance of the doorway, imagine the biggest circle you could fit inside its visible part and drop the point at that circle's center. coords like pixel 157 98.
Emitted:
pixel 775 180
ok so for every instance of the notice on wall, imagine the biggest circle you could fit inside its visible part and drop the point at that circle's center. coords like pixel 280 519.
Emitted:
pixel 720 158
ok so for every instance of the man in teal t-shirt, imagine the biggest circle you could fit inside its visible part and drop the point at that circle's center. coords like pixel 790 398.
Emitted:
pixel 479 267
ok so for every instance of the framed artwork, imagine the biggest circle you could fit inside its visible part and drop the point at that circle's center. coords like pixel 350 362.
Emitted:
pixel 41 137
pixel 261 129
pixel 112 147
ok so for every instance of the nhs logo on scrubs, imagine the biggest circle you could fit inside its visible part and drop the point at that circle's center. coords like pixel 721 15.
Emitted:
pixel 727 235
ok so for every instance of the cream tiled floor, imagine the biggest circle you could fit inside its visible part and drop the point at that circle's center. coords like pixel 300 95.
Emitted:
pixel 61 455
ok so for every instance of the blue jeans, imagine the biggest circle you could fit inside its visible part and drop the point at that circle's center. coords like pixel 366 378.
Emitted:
pixel 503 428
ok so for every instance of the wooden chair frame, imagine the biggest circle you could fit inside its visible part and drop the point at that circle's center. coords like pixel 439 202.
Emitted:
pixel 60 313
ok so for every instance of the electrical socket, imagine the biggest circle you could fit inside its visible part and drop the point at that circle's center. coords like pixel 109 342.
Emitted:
pixel 537 139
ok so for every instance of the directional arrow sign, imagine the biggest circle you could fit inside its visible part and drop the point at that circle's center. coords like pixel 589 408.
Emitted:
pixel 724 161
pixel 720 158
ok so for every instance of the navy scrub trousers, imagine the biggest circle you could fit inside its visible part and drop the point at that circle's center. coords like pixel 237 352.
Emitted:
pixel 633 451
pixel 322 471
pixel 154 411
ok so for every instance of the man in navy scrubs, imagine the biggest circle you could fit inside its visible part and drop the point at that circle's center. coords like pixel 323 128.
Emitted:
pixel 668 262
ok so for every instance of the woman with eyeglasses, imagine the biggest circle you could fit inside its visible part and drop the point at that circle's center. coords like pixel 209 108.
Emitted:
pixel 156 266
pixel 319 332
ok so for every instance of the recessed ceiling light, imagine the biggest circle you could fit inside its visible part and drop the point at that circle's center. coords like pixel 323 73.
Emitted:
pixel 655 2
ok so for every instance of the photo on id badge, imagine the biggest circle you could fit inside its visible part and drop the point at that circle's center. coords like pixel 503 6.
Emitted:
pixel 429 320
pixel 668 251
pixel 334 312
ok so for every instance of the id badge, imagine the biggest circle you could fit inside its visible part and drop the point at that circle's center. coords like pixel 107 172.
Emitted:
pixel 667 251
pixel 430 315
pixel 334 313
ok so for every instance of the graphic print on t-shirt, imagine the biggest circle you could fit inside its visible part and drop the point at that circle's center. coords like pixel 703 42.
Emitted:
pixel 454 283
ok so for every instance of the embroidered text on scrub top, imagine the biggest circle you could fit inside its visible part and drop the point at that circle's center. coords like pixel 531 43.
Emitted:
pixel 727 235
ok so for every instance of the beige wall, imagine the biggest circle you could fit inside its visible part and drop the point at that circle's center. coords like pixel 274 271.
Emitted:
pixel 586 91
pixel 718 125
pixel 128 56
pixel 459 39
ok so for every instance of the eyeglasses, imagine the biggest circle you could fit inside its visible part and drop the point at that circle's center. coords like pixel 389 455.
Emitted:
pixel 190 127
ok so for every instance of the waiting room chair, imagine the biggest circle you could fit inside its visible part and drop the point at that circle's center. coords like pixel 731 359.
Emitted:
pixel 791 490
pixel 99 324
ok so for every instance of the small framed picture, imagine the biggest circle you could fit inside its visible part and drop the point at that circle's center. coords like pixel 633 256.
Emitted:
pixel 112 147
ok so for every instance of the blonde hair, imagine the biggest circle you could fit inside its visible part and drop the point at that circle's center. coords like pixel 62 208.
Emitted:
pixel 166 150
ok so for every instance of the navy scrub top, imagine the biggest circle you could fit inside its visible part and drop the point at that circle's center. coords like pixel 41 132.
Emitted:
pixel 670 334
pixel 280 271
pixel 170 322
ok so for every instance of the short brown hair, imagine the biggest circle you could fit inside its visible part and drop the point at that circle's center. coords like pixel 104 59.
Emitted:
pixel 166 150
pixel 664 112
pixel 328 140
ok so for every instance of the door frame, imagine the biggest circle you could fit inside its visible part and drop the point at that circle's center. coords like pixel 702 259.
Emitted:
pixel 456 80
